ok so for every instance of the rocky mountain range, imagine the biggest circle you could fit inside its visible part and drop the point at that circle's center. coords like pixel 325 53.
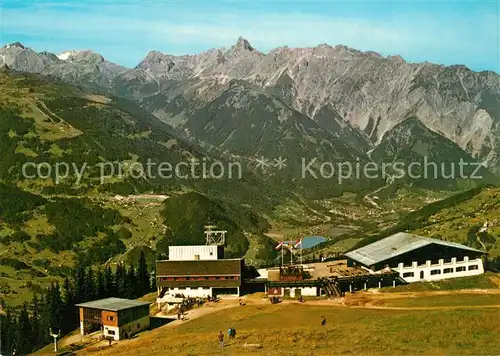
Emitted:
pixel 334 103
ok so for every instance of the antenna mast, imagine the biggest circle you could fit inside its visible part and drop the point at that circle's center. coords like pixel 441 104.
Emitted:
pixel 213 236
pixel 55 336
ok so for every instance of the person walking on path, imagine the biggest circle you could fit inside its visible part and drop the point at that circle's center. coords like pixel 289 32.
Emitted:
pixel 233 333
pixel 221 339
pixel 323 320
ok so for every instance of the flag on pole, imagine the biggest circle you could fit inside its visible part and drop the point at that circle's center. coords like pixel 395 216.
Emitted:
pixel 279 245
pixel 298 243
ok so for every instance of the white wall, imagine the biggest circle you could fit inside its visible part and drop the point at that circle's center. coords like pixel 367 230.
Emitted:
pixel 114 329
pixel 134 326
pixel 188 253
pixel 189 292
pixel 441 266
pixel 305 291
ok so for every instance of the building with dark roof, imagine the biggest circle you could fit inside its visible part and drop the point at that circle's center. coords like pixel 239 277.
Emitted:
pixel 418 258
pixel 201 276
pixel 117 318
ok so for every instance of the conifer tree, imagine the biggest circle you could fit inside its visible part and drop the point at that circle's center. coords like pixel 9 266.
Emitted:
pixel 35 320
pixel 70 320
pixel 8 330
pixel 99 284
pixel 120 280
pixel 24 332
pixel 143 285
pixel 109 283
pixel 130 284
pixel 44 323
pixel 56 307
pixel 80 277
pixel 90 291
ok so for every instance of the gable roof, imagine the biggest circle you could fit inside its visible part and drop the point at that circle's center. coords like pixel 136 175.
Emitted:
pixel 113 304
pixel 396 245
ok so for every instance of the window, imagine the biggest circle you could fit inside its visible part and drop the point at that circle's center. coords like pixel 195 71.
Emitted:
pixel 408 274
pixel 435 271
pixel 138 325
pixel 460 269
pixel 111 318
pixel 448 270
pixel 473 267
pixel 111 332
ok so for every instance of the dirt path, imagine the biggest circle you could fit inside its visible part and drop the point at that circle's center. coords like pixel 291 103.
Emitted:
pixel 370 305
pixel 357 300
pixel 369 300
pixel 496 280
pixel 425 293
pixel 202 311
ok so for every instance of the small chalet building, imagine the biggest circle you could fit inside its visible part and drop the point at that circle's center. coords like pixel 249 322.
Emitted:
pixel 418 258
pixel 117 318
pixel 198 271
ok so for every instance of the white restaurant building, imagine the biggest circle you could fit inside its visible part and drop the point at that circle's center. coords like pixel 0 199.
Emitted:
pixel 418 258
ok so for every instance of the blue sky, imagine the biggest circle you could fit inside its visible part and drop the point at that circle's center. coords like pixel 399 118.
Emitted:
pixel 445 32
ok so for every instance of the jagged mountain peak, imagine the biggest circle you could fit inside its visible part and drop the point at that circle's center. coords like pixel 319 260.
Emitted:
pixel 396 58
pixel 15 44
pixel 373 54
pixel 242 44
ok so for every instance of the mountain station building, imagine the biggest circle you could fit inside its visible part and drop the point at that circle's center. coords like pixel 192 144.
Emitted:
pixel 198 271
pixel 417 258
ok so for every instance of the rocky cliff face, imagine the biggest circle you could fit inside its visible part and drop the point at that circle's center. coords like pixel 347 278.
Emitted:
pixel 359 96
pixel 85 68
pixel 368 91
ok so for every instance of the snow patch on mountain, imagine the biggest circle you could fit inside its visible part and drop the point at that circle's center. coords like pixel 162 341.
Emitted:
pixel 65 55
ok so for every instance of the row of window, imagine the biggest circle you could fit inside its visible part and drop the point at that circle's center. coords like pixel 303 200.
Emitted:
pixel 433 262
pixel 211 278
pixel 189 288
pixel 445 271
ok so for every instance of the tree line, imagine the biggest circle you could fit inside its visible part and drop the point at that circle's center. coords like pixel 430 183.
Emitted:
pixel 26 329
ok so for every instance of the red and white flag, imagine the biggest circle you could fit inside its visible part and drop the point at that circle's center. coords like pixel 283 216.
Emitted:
pixel 279 245
pixel 298 243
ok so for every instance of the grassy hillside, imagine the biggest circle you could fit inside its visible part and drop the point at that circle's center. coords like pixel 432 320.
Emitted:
pixel 457 218
pixel 462 221
pixel 47 224
pixel 294 329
